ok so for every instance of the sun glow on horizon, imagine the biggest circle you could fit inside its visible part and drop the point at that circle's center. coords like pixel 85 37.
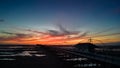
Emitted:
pixel 48 39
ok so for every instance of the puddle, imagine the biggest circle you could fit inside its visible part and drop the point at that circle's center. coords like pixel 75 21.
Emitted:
pixel 76 59
pixel 87 65
pixel 7 59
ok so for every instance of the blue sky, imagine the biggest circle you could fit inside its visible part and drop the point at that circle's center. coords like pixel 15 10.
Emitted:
pixel 83 15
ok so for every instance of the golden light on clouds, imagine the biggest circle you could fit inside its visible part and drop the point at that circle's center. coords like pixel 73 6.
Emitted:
pixel 55 37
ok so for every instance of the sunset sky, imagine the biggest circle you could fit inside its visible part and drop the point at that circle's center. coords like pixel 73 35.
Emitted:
pixel 59 22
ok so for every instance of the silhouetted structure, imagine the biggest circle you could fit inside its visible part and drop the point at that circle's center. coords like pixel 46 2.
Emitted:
pixel 85 47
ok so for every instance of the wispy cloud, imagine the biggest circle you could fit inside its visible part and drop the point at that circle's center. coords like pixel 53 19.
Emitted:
pixel 59 35
pixel 103 35
pixel 35 31
pixel 14 36
pixel 60 31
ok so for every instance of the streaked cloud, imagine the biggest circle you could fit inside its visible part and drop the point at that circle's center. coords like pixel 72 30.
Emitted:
pixel 14 36
pixel 59 35
pixel 60 31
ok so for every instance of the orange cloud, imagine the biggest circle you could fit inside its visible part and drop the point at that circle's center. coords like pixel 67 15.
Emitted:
pixel 51 37
pixel 40 37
